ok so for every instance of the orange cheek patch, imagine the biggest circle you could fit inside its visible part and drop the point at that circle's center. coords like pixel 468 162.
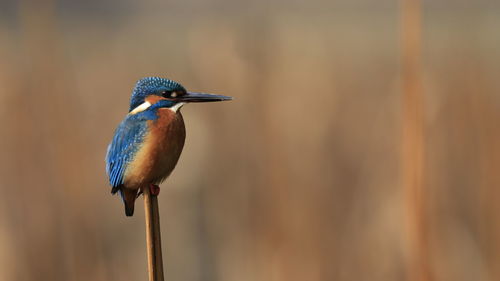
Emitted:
pixel 154 99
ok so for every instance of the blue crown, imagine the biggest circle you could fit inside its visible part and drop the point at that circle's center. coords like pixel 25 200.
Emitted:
pixel 150 86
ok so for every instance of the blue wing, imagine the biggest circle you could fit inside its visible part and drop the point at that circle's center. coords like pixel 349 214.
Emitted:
pixel 126 142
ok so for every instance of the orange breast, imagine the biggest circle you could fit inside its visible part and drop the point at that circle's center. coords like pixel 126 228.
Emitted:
pixel 160 152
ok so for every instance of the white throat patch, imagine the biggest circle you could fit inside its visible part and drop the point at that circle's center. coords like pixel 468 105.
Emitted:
pixel 176 106
pixel 140 108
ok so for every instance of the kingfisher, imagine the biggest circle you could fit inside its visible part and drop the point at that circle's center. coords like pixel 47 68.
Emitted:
pixel 148 142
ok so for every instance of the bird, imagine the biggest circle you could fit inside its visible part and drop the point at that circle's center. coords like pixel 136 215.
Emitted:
pixel 148 142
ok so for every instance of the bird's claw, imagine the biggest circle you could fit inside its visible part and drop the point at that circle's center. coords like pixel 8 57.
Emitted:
pixel 154 189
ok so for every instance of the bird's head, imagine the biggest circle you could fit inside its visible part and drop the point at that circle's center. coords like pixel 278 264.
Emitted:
pixel 164 93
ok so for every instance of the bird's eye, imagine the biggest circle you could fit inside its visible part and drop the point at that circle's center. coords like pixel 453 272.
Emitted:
pixel 171 94
pixel 166 94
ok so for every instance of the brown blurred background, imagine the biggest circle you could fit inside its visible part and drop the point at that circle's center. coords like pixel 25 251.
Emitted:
pixel 302 177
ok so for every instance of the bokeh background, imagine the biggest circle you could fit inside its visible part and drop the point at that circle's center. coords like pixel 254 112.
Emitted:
pixel 301 177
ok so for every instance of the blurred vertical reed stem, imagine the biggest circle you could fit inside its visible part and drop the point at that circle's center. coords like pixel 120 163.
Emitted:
pixel 413 142
pixel 153 236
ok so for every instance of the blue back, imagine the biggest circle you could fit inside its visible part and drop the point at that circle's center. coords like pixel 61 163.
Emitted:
pixel 127 140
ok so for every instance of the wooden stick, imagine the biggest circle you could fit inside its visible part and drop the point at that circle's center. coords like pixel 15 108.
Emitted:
pixel 153 236
pixel 419 267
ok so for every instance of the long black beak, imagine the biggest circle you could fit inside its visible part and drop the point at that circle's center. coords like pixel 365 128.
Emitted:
pixel 202 97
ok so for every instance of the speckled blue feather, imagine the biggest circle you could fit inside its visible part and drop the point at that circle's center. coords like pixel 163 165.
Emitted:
pixel 151 85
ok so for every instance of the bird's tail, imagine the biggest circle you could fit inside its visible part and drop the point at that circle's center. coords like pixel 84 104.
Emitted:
pixel 128 196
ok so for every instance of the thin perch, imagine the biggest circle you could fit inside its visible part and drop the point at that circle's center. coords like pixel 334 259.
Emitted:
pixel 153 236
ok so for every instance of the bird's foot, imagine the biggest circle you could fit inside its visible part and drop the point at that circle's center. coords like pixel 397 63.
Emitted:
pixel 154 189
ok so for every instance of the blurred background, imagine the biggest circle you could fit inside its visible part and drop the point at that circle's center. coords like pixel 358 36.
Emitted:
pixel 307 175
